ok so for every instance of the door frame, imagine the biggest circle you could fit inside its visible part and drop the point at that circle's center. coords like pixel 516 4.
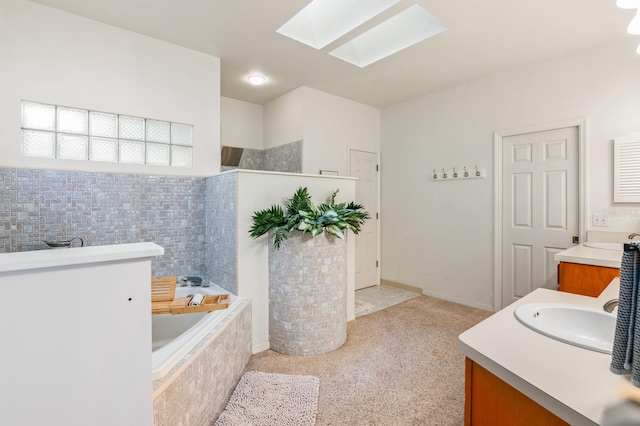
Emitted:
pixel 377 207
pixel 498 138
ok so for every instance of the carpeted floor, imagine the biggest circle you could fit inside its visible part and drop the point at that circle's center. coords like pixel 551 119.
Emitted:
pixel 399 366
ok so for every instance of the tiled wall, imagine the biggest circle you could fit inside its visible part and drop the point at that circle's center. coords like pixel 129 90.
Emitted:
pixel 252 159
pixel 198 390
pixel 284 158
pixel 221 230
pixel 307 279
pixel 106 208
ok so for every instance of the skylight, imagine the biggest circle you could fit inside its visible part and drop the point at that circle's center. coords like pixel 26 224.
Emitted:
pixel 397 33
pixel 323 21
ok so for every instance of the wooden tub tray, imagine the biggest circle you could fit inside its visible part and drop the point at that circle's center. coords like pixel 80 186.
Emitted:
pixel 211 302
pixel 163 299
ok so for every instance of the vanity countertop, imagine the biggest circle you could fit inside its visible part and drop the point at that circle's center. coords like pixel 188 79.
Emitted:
pixel 590 256
pixel 573 383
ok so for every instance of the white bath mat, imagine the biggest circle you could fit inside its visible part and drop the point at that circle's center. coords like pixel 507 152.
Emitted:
pixel 270 399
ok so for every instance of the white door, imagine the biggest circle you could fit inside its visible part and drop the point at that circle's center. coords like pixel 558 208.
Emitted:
pixel 364 166
pixel 540 208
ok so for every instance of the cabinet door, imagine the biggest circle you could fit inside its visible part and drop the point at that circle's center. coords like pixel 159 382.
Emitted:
pixel 588 280
pixel 490 401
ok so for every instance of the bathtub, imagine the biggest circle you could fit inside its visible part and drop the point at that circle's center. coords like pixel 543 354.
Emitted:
pixel 174 336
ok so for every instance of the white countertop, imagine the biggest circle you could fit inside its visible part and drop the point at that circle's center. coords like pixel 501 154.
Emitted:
pixel 573 383
pixel 19 261
pixel 590 256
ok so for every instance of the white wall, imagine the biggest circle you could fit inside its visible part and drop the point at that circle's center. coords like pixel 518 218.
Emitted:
pixel 241 124
pixel 283 119
pixel 439 236
pixel 259 190
pixel 332 125
pixel 328 126
pixel 51 56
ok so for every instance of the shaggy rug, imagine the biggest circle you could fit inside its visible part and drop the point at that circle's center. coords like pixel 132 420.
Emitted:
pixel 271 399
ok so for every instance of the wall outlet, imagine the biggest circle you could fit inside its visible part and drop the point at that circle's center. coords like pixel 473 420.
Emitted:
pixel 600 220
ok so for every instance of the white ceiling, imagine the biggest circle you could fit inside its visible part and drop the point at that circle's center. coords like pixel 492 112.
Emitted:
pixel 484 37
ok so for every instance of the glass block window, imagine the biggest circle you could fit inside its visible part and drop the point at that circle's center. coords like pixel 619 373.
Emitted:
pixel 79 134
pixel 158 131
pixel 131 128
pixel 103 149
pixel 101 124
pixel 158 154
pixel 72 147
pixel 38 144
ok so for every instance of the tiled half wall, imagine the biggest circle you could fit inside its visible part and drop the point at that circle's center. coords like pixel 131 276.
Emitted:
pixel 220 242
pixel 283 158
pixel 106 208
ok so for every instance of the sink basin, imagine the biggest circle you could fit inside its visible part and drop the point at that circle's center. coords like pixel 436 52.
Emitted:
pixel 605 246
pixel 588 328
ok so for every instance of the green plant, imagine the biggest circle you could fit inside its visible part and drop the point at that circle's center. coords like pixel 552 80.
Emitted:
pixel 301 214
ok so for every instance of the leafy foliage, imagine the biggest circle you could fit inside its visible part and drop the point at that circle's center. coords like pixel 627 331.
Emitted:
pixel 301 214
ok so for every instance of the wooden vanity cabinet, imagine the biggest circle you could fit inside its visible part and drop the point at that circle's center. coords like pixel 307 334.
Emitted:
pixel 491 401
pixel 588 280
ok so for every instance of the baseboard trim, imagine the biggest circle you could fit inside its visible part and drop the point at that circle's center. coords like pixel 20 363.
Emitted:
pixel 457 300
pixel 260 347
pixel 401 286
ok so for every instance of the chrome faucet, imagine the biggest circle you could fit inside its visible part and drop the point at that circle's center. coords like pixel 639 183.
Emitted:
pixel 610 305
pixel 632 236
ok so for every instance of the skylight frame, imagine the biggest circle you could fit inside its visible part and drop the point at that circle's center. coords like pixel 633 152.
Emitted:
pixel 322 22
pixel 397 33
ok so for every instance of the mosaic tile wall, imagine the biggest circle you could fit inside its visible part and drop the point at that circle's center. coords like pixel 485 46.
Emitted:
pixel 220 244
pixel 252 159
pixel 197 394
pixel 106 208
pixel 284 158
pixel 307 295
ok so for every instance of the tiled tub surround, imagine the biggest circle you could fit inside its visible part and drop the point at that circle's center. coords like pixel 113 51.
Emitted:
pixel 174 336
pixel 106 208
pixel 195 392
pixel 221 207
pixel 285 158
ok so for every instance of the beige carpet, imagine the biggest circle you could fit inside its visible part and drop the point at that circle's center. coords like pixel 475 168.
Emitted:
pixel 270 399
pixel 400 366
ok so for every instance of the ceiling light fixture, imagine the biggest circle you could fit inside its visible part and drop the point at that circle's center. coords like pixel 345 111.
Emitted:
pixel 323 21
pixel 256 79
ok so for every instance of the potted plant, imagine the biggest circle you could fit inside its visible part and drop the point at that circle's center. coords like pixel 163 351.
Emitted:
pixel 308 273
pixel 301 214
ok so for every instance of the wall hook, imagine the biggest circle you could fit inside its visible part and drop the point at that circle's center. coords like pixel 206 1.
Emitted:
pixel 477 172
pixel 444 174
pixel 435 175
pixel 466 173
pixel 455 174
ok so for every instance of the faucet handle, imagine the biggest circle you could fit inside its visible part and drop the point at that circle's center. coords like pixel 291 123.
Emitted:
pixel 610 305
